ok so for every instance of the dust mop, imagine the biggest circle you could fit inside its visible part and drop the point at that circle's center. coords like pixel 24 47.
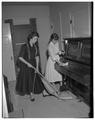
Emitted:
pixel 50 87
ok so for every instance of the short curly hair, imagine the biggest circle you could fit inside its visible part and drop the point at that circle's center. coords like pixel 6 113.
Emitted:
pixel 31 35
pixel 54 36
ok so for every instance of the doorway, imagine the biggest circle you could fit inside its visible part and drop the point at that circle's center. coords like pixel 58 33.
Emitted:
pixel 20 33
pixel 19 36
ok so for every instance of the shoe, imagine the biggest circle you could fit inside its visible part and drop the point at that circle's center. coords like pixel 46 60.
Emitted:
pixel 44 94
pixel 32 98
pixel 47 95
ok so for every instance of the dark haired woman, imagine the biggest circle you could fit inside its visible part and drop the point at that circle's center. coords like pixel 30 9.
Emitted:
pixel 28 82
pixel 53 56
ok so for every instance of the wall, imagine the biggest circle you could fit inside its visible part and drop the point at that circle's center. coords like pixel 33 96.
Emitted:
pixel 21 13
pixel 81 16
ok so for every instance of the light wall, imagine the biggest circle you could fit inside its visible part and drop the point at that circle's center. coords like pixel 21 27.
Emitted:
pixel 81 16
pixel 21 13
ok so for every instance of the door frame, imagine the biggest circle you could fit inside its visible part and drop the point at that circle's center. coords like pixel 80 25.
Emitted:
pixel 32 21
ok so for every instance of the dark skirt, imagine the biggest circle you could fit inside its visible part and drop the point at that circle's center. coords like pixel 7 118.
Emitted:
pixel 28 81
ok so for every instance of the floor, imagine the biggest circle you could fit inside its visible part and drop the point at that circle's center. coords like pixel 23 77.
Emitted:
pixel 48 107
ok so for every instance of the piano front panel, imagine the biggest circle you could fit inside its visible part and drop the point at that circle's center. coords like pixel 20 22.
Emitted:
pixel 78 50
pixel 73 50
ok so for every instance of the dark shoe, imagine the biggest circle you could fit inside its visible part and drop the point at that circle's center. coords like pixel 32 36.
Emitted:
pixel 32 98
pixel 46 95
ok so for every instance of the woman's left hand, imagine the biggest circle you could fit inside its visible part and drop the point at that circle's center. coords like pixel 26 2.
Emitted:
pixel 63 64
pixel 37 69
pixel 59 52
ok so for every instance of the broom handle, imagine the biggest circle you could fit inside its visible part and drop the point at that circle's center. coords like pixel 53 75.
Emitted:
pixel 34 82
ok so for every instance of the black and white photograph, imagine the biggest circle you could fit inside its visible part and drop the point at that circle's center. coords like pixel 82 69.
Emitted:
pixel 47 59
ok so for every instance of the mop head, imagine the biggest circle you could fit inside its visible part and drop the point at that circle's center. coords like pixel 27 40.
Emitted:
pixel 65 98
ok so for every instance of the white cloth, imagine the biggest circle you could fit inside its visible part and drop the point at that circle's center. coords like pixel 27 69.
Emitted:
pixel 51 74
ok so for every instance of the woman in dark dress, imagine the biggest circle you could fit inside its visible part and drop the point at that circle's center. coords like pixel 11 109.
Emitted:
pixel 28 81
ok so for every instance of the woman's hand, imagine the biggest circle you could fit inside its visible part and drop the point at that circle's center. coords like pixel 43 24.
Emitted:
pixel 63 64
pixel 59 53
pixel 62 52
pixel 37 68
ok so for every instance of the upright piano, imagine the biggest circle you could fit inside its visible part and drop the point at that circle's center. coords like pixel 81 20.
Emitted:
pixel 78 71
